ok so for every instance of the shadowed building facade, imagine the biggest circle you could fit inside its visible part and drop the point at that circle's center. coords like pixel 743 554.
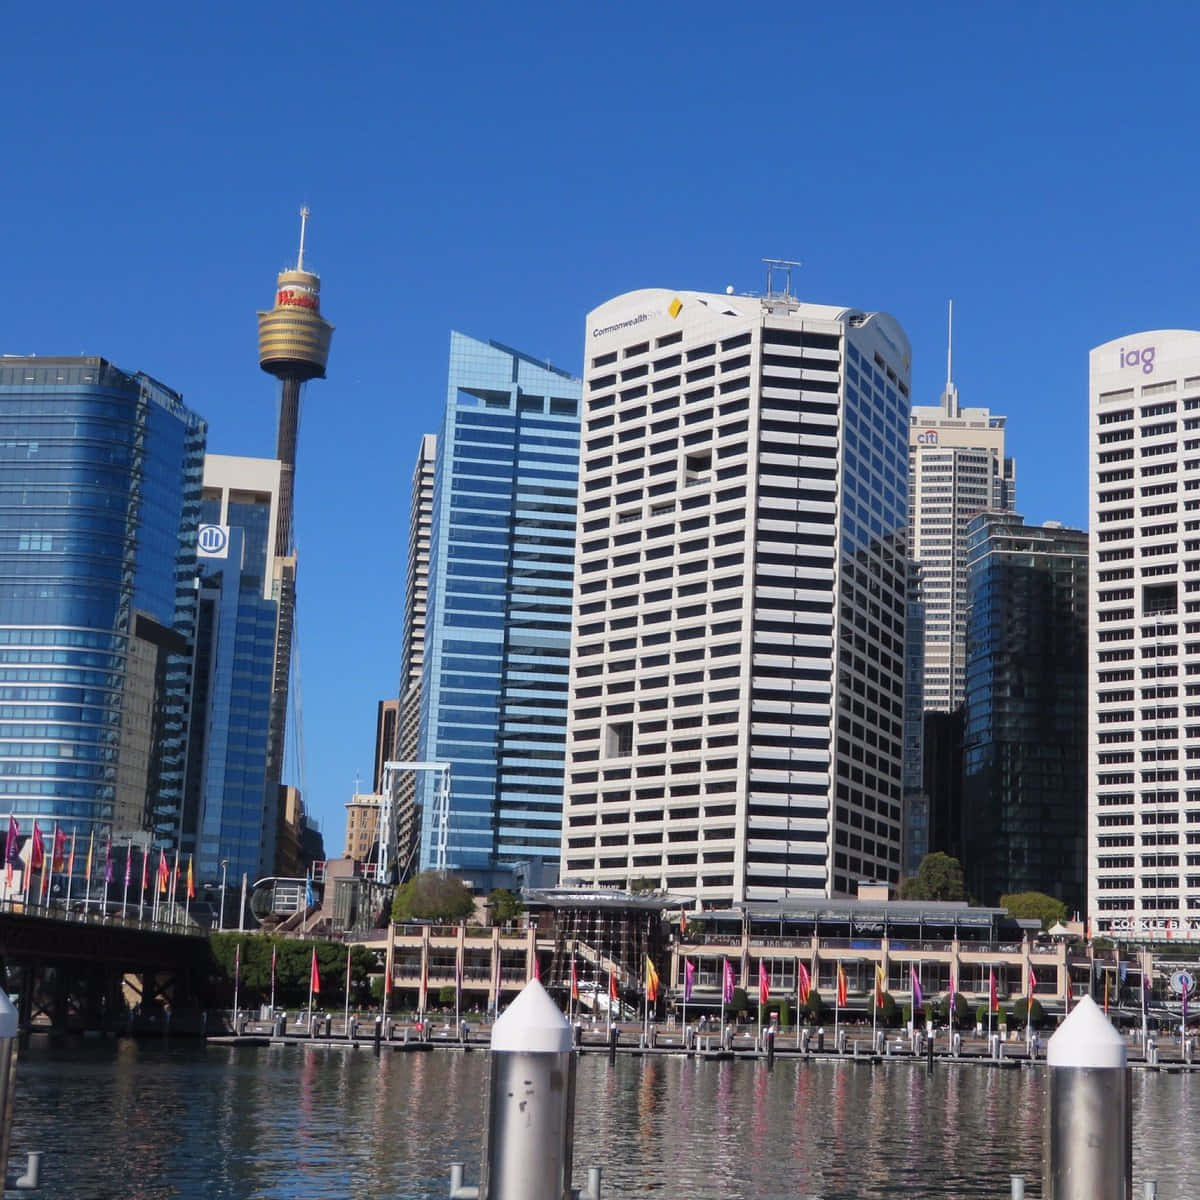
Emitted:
pixel 1025 733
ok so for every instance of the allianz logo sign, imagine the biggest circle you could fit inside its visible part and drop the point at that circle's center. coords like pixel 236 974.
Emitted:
pixel 212 541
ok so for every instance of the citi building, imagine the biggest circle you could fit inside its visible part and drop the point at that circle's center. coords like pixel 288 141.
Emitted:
pixel 1144 636
pixel 737 674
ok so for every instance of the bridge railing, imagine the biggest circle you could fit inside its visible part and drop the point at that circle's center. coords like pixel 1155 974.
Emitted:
pixel 112 915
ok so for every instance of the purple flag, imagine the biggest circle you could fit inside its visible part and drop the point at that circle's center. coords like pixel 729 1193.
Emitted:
pixel 128 862
pixel 12 845
pixel 727 984
pixel 689 972
pixel 108 872
pixel 917 1001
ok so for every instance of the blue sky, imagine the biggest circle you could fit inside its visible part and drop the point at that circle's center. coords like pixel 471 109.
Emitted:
pixel 501 169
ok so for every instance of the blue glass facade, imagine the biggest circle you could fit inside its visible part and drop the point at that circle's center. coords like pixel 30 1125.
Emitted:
pixel 235 654
pixel 99 505
pixel 502 551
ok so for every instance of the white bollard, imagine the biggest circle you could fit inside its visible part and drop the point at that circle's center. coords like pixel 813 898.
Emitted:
pixel 1089 1122
pixel 531 1102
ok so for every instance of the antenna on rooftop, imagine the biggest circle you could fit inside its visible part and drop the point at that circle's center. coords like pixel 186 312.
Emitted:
pixel 784 267
pixel 303 228
pixel 950 395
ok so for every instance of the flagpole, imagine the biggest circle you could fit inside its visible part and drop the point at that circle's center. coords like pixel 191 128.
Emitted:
pixel 107 870
pixel 347 1017
pixel 87 899
pixel 685 992
pixel 237 975
pixel 125 892
pixel 875 1009
pixel 310 991
pixel 71 869
pixel 272 980
pixel 48 874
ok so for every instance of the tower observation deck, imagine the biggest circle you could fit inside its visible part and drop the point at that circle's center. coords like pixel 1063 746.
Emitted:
pixel 293 345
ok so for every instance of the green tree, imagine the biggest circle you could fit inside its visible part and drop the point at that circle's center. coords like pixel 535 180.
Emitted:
pixel 939 877
pixel 962 1010
pixel 504 906
pixel 813 1009
pixel 889 1015
pixel 1037 1014
pixel 739 1005
pixel 293 969
pixel 1036 906
pixel 643 884
pixel 432 896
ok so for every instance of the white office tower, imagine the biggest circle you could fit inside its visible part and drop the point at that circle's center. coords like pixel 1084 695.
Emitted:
pixel 1144 636
pixel 957 468
pixel 737 674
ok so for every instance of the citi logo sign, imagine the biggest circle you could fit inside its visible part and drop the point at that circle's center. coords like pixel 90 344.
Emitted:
pixel 1138 358
pixel 928 438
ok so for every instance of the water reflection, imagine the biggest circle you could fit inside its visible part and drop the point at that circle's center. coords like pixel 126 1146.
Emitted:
pixel 152 1121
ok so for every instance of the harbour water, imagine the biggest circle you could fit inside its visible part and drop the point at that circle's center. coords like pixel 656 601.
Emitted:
pixel 147 1121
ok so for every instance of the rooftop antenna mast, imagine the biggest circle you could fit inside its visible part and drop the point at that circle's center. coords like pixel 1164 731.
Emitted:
pixel 950 395
pixel 303 230
pixel 784 266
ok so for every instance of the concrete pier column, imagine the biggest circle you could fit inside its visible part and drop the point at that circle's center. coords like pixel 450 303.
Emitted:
pixel 531 1102
pixel 1089 1123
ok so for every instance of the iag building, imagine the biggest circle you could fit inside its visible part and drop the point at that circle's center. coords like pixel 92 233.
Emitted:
pixel 1144 637
pixel 737 652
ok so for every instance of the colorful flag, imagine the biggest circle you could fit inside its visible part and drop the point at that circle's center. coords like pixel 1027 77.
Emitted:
pixel 764 984
pixel 1032 981
pixel 953 993
pixel 879 989
pixel 314 979
pixel 682 922
pixel 12 845
pixel 651 981
pixel 689 976
pixel 310 899
pixel 128 863
pixel 108 871
pixel 37 855
pixel 841 987
pixel 537 968
pixel 727 984
pixel 918 1001
pixel 145 871
pixel 71 857
pixel 164 872
pixel 993 1000
pixel 87 866
pixel 58 856
pixel 612 983
pixel 803 983
pixel 574 980
pixel 191 880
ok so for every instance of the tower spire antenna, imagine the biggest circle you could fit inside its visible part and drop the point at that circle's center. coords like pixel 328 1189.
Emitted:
pixel 950 395
pixel 303 230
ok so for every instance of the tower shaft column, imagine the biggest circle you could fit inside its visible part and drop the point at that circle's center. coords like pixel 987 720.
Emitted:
pixel 285 451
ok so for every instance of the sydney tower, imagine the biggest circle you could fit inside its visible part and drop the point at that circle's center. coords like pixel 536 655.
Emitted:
pixel 293 345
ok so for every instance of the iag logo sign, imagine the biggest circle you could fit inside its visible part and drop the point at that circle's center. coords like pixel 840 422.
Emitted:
pixel 928 438
pixel 1138 358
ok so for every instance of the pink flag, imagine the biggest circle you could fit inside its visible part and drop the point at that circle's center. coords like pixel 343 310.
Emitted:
pixel 764 984
pixel 918 1001
pixel 803 984
pixel 1032 981
pixel 689 974
pixel 727 984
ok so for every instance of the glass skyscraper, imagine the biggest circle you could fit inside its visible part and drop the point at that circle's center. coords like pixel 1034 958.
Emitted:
pixel 99 506
pixel 501 561
pixel 234 800
pixel 1025 735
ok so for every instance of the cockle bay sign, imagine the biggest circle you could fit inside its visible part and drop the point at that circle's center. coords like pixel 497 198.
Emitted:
pixel 1151 927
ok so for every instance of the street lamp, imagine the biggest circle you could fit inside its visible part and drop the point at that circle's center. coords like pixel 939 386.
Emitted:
pixel 221 918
